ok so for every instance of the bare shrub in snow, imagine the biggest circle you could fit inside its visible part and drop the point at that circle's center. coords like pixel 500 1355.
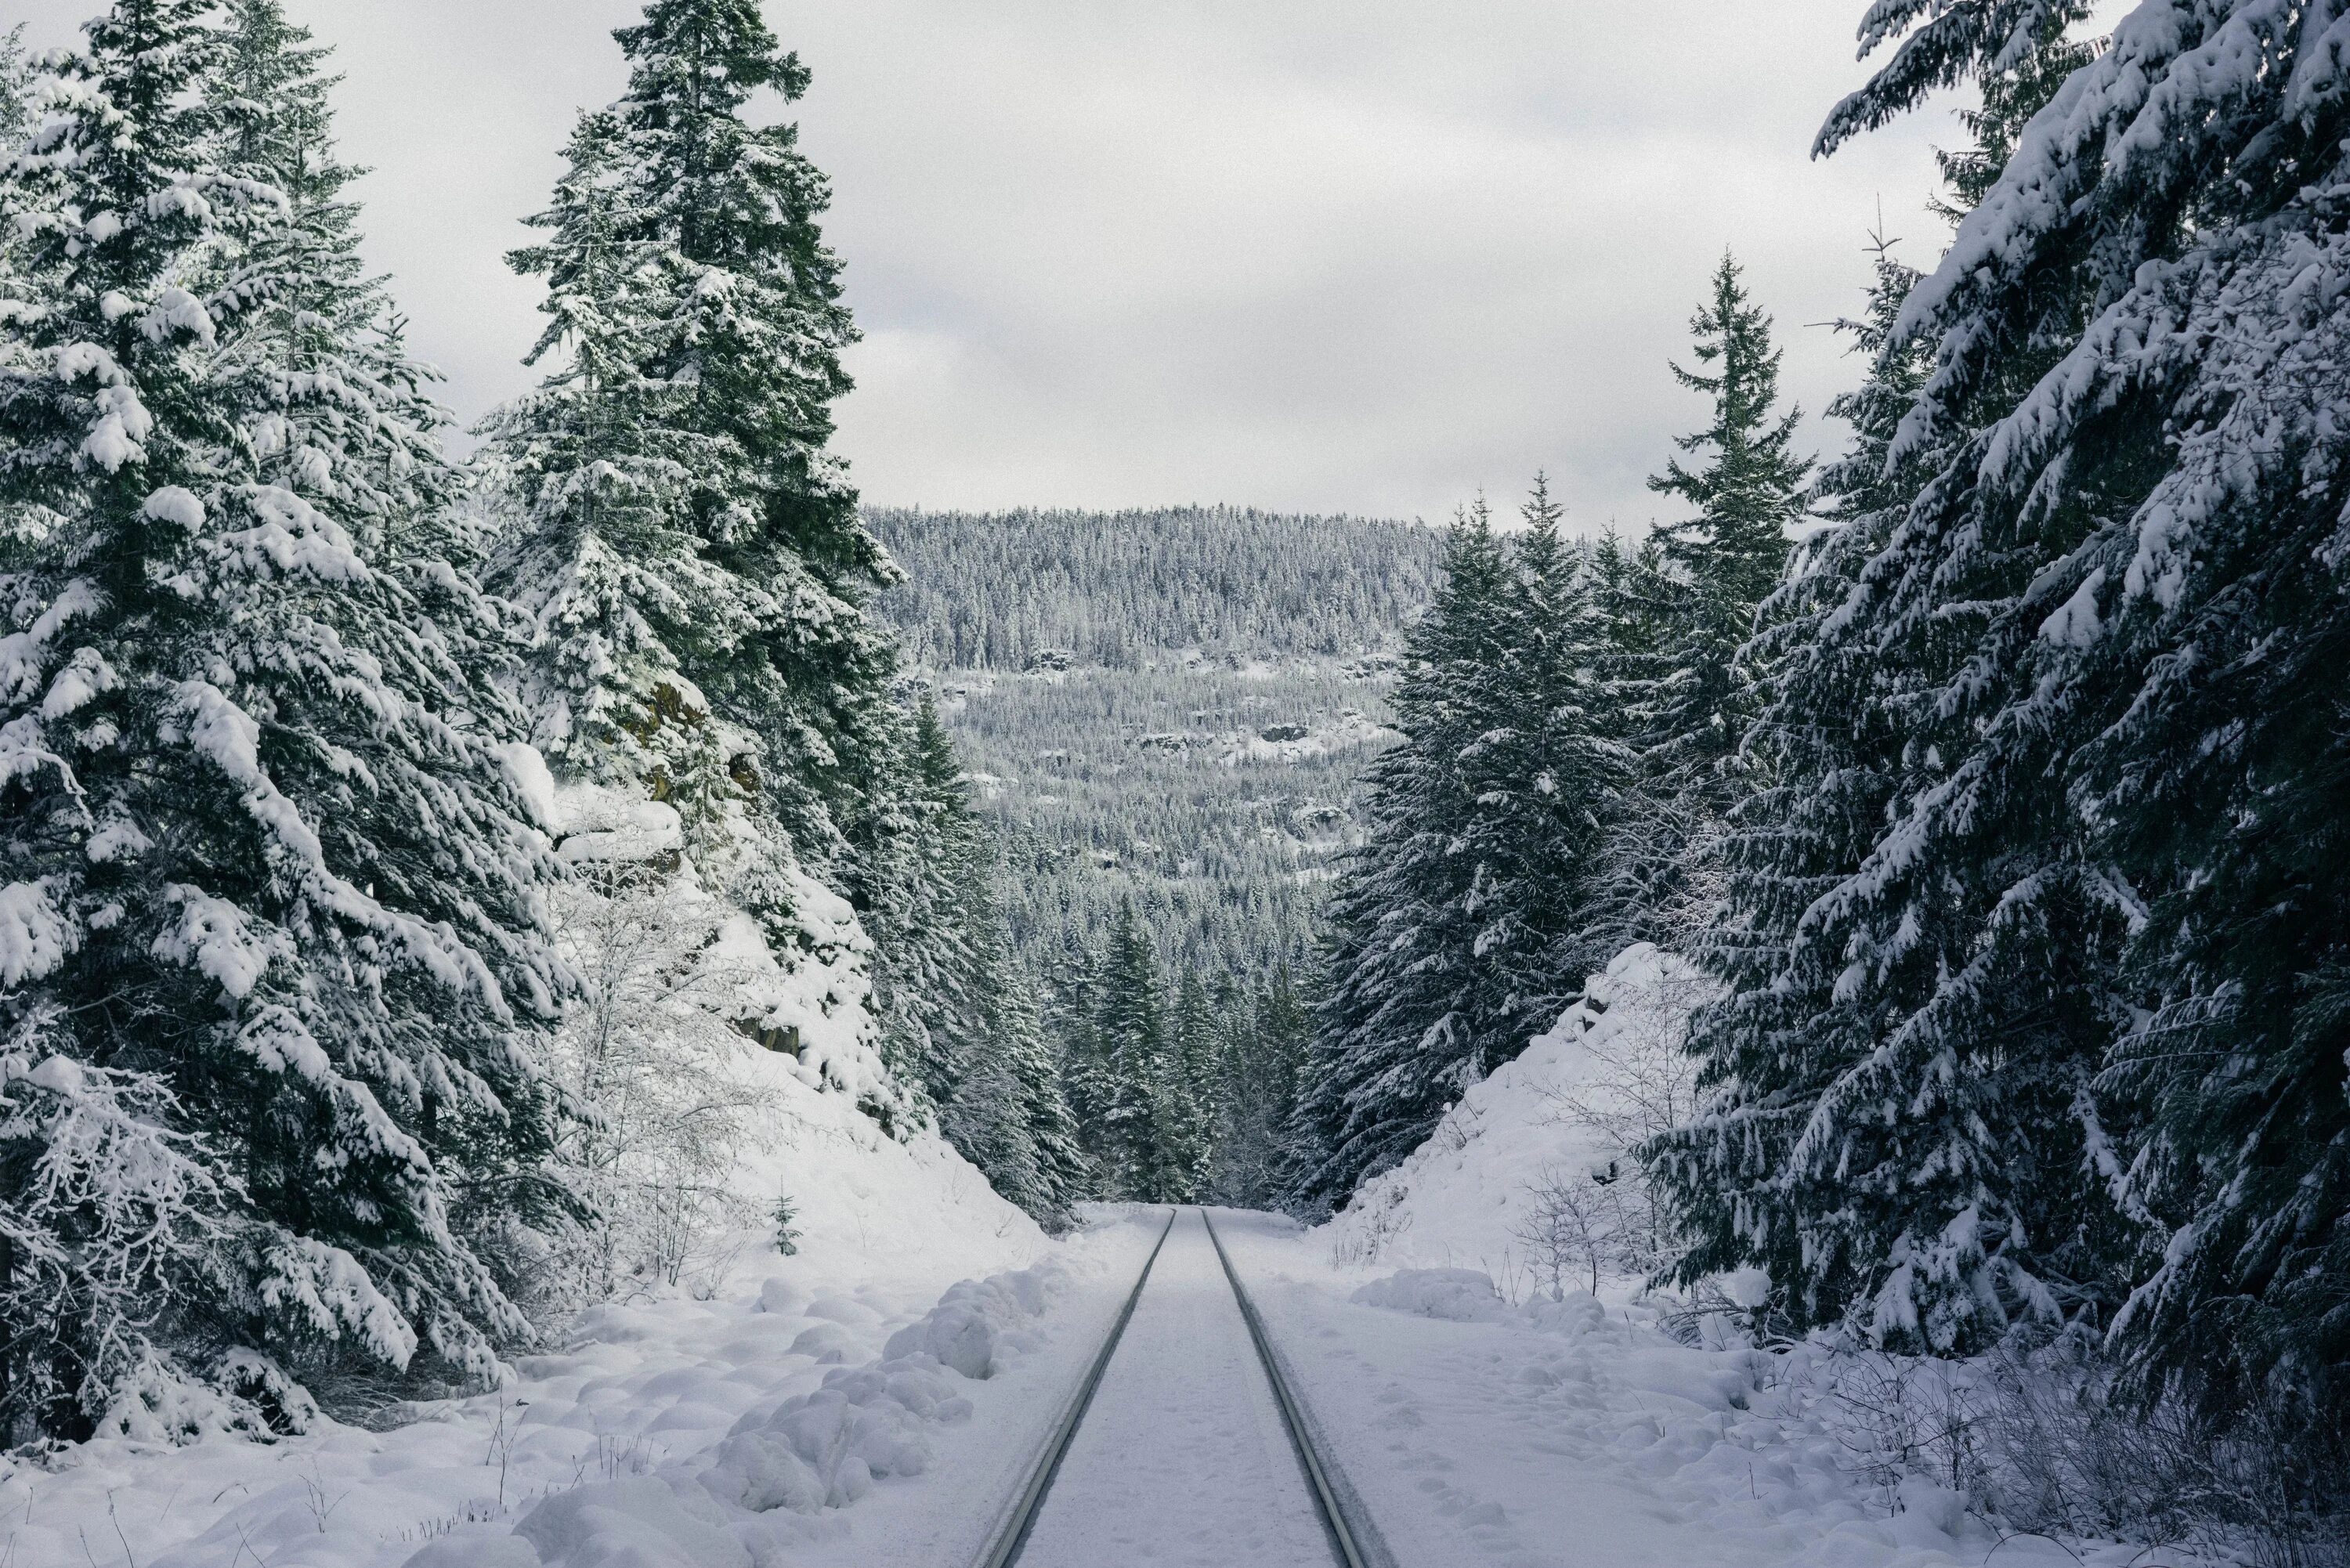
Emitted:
pixel 1572 1229
pixel 1379 1222
pixel 2068 1451
pixel 1636 1081
pixel 657 1073
pixel 2046 1438
pixel 1901 1416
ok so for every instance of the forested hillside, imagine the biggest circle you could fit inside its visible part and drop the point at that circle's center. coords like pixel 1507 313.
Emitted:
pixel 1125 590
pixel 1163 708
pixel 1165 715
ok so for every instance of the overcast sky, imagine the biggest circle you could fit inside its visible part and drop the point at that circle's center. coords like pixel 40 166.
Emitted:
pixel 1360 256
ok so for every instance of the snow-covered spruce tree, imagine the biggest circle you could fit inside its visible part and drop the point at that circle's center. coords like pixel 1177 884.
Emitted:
pixel 1188 1107
pixel 270 910
pixel 1902 1127
pixel 689 558
pixel 1072 1019
pixel 2110 843
pixel 928 868
pixel 1823 759
pixel 1392 1045
pixel 1688 604
pixel 17 77
pixel 321 336
pixel 1542 779
pixel 690 552
pixel 958 1019
pixel 1008 1114
pixel 1264 1049
pixel 1463 922
pixel 1132 1041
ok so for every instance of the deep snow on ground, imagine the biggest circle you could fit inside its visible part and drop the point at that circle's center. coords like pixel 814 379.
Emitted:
pixel 875 1400
pixel 1182 1457
pixel 645 1392
pixel 1459 1200
pixel 1569 1434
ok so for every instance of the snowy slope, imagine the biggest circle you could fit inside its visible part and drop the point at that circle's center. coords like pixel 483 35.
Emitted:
pixel 640 1390
pixel 1462 1198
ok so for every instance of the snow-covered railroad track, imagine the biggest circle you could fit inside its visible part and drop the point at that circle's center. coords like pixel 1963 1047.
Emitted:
pixel 1186 1442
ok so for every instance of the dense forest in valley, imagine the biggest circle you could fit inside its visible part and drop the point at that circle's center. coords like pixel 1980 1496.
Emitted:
pixel 1164 723
pixel 1126 590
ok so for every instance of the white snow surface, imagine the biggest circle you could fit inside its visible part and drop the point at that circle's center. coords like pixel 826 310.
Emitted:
pixel 657 1422
pixel 1573 1433
pixel 1460 1198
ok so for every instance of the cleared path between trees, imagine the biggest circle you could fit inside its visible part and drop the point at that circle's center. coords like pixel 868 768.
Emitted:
pixel 1189 1449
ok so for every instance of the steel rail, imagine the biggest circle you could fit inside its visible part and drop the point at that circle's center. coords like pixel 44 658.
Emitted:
pixel 1352 1535
pixel 1010 1532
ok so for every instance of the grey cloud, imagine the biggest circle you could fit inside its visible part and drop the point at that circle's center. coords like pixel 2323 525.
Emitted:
pixel 1368 256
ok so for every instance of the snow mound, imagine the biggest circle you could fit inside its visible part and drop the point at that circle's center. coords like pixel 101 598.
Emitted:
pixel 1563 1108
pixel 1463 1295
pixel 767 1484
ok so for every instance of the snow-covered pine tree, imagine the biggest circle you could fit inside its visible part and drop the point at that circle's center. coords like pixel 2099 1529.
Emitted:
pixel 1187 1098
pixel 1072 1016
pixel 322 336
pixel 1264 1050
pixel 1467 917
pixel 2102 894
pixel 2180 475
pixel 1065 1174
pixel 1393 1042
pixel 269 899
pixel 928 871
pixel 1543 778
pixel 986 1120
pixel 1901 1128
pixel 1015 1092
pixel 691 551
pixel 1136 1052
pixel 1686 604
pixel 17 77
pixel 960 1017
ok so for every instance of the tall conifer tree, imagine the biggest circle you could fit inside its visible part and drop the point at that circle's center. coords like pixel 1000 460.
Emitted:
pixel 1465 918
pixel 690 549
pixel 2064 1040
pixel 1686 604
pixel 1133 1045
pixel 268 897
pixel 1393 1044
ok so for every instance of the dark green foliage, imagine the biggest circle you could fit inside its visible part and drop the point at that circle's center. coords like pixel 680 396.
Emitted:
pixel 1680 608
pixel 784 1216
pixel 1464 922
pixel 690 552
pixel 1132 1138
pixel 2034 940
pixel 957 1009
pixel 1265 1038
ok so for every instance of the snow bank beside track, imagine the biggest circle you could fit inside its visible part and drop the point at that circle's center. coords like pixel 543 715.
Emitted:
pixel 1574 1432
pixel 641 1393
pixel 775 1486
